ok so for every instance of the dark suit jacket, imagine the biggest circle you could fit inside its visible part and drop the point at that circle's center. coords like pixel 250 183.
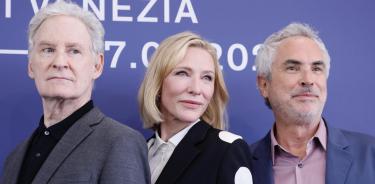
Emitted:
pixel 202 157
pixel 350 158
pixel 96 149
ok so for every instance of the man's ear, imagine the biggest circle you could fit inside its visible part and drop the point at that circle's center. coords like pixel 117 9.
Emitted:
pixel 99 64
pixel 30 70
pixel 263 85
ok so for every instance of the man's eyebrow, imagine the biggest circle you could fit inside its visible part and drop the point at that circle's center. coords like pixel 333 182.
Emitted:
pixel 292 61
pixel 319 63
pixel 45 43
pixel 73 44
pixel 296 62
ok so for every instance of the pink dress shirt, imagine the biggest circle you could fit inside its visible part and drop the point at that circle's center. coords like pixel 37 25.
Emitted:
pixel 289 169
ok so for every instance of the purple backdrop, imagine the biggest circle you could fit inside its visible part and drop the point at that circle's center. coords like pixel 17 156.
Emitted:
pixel 134 27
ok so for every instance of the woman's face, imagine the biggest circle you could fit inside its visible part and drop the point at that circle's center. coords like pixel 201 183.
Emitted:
pixel 188 89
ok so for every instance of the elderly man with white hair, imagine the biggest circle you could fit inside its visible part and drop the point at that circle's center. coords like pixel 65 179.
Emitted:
pixel 74 142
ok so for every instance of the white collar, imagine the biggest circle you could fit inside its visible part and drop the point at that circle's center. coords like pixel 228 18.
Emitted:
pixel 175 139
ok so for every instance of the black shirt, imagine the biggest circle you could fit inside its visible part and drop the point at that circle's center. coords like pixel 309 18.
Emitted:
pixel 44 140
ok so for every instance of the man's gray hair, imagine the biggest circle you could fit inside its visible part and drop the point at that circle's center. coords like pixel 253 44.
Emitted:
pixel 61 7
pixel 267 51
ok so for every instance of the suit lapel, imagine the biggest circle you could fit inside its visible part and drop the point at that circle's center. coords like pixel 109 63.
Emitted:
pixel 262 162
pixel 72 138
pixel 338 163
pixel 184 154
pixel 339 159
pixel 11 174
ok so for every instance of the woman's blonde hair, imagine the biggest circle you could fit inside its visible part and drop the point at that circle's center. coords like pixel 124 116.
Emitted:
pixel 169 53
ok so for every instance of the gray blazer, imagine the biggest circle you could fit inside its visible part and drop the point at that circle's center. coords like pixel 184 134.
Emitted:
pixel 96 149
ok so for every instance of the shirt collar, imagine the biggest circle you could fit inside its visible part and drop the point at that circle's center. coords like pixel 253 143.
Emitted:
pixel 58 130
pixel 320 135
pixel 175 139
pixel 181 134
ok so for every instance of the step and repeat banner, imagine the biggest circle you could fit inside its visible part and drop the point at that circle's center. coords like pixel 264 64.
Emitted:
pixel 134 28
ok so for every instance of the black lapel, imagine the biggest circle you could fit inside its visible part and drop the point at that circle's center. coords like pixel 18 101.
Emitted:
pixel 262 161
pixel 184 154
pixel 72 138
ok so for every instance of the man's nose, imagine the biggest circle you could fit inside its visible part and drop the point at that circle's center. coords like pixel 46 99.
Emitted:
pixel 307 78
pixel 60 61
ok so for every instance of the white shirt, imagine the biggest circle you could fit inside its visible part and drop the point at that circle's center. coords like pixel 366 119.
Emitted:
pixel 160 151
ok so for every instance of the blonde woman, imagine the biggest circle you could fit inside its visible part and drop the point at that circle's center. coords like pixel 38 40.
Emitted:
pixel 183 98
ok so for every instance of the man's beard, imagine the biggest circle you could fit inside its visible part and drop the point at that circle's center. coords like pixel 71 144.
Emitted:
pixel 293 115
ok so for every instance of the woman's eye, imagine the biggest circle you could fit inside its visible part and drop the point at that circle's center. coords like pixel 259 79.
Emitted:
pixel 181 73
pixel 208 77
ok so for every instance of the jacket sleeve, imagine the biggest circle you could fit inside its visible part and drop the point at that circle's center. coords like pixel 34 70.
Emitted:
pixel 127 161
pixel 235 167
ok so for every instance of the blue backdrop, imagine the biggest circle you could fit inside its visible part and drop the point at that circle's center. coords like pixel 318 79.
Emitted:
pixel 134 27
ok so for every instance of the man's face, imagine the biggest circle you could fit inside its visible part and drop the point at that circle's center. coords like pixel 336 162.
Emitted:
pixel 61 61
pixel 297 90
